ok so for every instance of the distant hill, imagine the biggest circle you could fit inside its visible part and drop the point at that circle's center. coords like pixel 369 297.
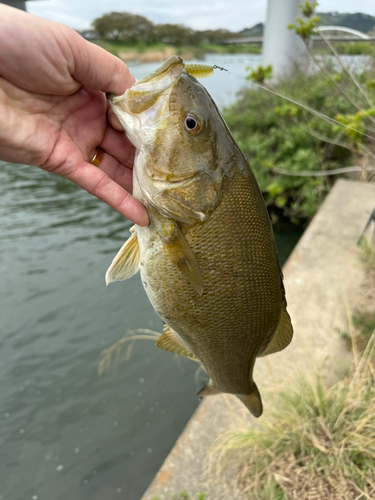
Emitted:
pixel 358 21
pixel 256 30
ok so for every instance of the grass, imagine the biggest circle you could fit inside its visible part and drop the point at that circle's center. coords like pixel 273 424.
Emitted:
pixel 111 356
pixel 184 496
pixel 363 326
pixel 363 318
pixel 368 254
pixel 319 442
pixel 348 48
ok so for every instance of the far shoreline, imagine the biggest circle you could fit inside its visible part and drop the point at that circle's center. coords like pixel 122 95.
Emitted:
pixel 142 53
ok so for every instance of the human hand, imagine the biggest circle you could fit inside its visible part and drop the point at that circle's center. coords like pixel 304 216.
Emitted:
pixel 53 110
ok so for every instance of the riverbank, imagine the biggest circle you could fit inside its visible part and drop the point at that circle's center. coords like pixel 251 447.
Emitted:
pixel 323 280
pixel 159 52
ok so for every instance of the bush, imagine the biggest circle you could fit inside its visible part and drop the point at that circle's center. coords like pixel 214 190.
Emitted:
pixel 276 135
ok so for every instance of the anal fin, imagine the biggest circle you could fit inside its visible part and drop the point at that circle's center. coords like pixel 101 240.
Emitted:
pixel 282 336
pixel 169 341
pixel 126 262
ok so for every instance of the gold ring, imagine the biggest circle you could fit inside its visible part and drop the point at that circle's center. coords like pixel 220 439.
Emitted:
pixel 97 157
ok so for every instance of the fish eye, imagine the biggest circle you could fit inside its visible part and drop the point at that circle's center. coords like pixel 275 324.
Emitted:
pixel 193 123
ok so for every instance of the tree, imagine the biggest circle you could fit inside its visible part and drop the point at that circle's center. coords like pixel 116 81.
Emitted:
pixel 215 36
pixel 124 26
pixel 175 34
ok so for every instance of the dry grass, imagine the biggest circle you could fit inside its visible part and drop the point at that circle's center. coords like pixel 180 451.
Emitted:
pixel 318 442
pixel 111 356
pixel 368 253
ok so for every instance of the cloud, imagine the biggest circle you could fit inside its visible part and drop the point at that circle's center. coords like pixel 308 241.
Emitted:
pixel 209 14
pixel 198 14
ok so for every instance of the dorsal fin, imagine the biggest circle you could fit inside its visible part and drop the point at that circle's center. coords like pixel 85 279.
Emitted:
pixel 126 262
pixel 169 341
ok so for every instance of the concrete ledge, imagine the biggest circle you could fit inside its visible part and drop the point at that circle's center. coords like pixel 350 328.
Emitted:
pixel 322 280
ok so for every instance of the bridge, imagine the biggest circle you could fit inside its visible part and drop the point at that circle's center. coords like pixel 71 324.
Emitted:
pixel 355 36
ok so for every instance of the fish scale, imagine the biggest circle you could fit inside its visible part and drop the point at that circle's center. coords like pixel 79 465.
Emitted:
pixel 208 259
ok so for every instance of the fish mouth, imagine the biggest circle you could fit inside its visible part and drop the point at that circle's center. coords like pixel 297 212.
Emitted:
pixel 145 93
pixel 145 104
pixel 166 69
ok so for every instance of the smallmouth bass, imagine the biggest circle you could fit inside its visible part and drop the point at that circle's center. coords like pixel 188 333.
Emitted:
pixel 208 258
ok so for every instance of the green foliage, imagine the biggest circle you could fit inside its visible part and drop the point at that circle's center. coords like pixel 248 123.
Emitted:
pixel 308 8
pixel 275 135
pixel 260 74
pixel 344 48
pixel 305 26
pixel 355 124
pixel 354 48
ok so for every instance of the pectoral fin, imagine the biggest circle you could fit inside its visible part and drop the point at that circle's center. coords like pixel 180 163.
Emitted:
pixel 169 341
pixel 282 337
pixel 179 252
pixel 126 262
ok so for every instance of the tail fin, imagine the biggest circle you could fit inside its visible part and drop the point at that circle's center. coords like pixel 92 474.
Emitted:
pixel 252 401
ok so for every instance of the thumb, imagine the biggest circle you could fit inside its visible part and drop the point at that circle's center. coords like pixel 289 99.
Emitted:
pixel 98 69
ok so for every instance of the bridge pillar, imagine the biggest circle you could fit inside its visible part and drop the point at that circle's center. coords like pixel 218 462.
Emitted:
pixel 18 4
pixel 282 48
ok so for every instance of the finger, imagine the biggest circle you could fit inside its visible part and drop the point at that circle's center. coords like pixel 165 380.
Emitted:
pixel 113 120
pixel 99 184
pixel 97 68
pixel 118 145
pixel 122 175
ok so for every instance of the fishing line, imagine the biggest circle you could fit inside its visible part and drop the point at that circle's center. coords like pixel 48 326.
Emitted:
pixel 324 173
pixel 303 106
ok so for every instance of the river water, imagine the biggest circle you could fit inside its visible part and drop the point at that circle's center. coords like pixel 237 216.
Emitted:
pixel 65 432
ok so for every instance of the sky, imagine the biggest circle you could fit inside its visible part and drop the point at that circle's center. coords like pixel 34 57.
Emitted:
pixel 233 15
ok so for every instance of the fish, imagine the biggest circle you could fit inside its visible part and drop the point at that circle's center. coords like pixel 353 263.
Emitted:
pixel 208 259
